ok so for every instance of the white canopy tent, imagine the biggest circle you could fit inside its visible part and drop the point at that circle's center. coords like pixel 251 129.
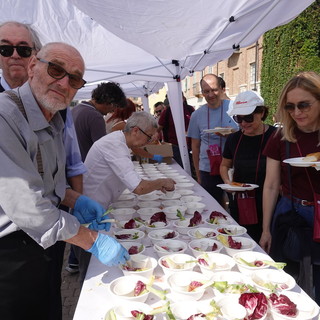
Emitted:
pixel 142 44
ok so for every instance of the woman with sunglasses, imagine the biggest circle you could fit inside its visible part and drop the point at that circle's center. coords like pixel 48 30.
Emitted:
pixel 243 153
pixel 299 111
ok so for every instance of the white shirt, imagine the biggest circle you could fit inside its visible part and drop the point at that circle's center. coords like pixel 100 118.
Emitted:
pixel 110 169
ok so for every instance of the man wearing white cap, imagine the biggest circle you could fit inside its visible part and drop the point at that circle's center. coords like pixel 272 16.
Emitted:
pixel 243 152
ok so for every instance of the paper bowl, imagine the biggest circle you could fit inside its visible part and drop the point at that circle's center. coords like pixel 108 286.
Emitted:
pixel 149 204
pixel 171 203
pixel 137 225
pixel 214 262
pixel 192 207
pixel 123 311
pixel 123 214
pixel 171 212
pixel 163 234
pixel 129 235
pixel 165 247
pixel 306 307
pixel 177 262
pixel 124 204
pixel 205 245
pixel 134 247
pixel 191 198
pixel 182 226
pixel 139 265
pixel 247 244
pixel 251 257
pixel 202 232
pixel 147 213
pixel 231 309
pixel 180 285
pixel 186 192
pixel 267 280
pixel 184 185
pixel 233 230
pixel 122 288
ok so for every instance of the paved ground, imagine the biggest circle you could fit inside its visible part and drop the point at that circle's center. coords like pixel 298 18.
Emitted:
pixel 70 289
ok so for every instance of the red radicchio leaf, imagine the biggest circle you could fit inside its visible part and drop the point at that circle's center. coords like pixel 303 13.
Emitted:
pixel 193 285
pixel 165 263
pixel 234 244
pixel 123 236
pixel 218 214
pixel 137 313
pixel 158 217
pixel 131 224
pixel 203 262
pixel 283 305
pixel 255 303
pixel 169 235
pixel 197 315
pixel 139 288
pixel 258 263
pixel 195 220
pixel 133 250
pixel 214 247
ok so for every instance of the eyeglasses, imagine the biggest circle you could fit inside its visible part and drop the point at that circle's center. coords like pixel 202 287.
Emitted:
pixel 303 106
pixel 57 72
pixel 158 111
pixel 23 51
pixel 150 138
pixel 247 118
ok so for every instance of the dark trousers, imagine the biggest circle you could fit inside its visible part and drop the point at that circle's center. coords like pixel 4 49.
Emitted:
pixel 24 284
pixel 209 183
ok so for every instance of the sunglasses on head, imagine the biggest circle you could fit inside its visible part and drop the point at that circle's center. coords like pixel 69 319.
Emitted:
pixel 57 72
pixel 302 106
pixel 23 51
pixel 247 118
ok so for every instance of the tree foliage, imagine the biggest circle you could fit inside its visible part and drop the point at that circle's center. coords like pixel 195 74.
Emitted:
pixel 288 50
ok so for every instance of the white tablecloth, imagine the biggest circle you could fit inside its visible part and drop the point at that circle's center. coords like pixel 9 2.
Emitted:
pixel 95 299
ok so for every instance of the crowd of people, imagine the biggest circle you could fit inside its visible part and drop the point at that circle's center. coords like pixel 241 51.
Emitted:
pixel 62 169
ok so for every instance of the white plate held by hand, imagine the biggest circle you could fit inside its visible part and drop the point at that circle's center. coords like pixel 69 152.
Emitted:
pixel 298 162
pixel 229 187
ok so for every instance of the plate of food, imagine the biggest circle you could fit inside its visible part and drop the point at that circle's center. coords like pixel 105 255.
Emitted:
pixel 221 130
pixel 310 160
pixel 237 186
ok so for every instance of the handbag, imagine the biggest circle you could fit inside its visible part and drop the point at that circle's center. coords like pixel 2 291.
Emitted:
pixel 215 159
pixel 247 208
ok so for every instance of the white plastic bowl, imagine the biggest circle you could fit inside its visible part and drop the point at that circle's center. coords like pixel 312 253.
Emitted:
pixel 149 204
pixel 157 235
pixel 123 311
pixel 184 185
pixel 231 309
pixel 170 195
pixel 233 230
pixel 134 234
pixel 156 226
pixel 148 197
pixel 171 212
pixel 179 284
pixel 182 226
pixel 251 257
pixel 124 204
pixel 138 225
pixel 144 266
pixel 217 262
pixel 126 197
pixel 218 222
pixel 186 192
pixel 202 232
pixel 123 287
pixel 170 246
pixel 182 310
pixel 205 245
pixel 191 198
pixel 131 245
pixel 123 214
pixel 180 263
pixel 147 213
pixel 172 203
pixel 192 207
pixel 247 244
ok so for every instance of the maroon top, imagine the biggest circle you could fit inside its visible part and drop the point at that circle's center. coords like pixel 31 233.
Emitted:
pixel 276 149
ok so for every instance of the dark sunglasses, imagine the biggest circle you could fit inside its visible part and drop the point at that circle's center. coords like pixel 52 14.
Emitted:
pixel 302 106
pixel 57 72
pixel 247 118
pixel 23 51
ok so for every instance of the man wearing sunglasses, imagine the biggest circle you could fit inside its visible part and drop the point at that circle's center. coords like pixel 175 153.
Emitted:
pixel 32 188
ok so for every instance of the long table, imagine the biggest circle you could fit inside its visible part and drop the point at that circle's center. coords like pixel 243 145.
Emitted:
pixel 95 299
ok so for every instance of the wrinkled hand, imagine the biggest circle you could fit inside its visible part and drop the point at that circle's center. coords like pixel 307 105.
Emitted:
pixel 94 225
pixel 167 185
pixel 157 157
pixel 109 251
pixel 86 210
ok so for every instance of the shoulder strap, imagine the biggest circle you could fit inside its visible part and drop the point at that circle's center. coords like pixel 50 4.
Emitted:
pixel 16 99
pixel 289 172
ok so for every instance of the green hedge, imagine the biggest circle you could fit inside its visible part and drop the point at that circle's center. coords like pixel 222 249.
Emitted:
pixel 287 50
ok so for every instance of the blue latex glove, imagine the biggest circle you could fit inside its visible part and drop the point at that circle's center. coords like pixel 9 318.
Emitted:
pixel 109 251
pixel 94 225
pixel 86 210
pixel 157 157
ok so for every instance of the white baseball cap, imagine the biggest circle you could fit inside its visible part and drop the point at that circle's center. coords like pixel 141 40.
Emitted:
pixel 246 102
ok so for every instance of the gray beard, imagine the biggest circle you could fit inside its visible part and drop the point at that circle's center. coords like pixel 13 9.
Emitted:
pixel 51 107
